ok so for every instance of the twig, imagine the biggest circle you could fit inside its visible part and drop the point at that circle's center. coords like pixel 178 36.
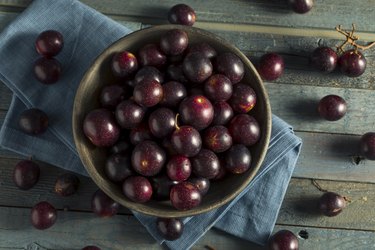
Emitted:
pixel 351 40
pixel 316 184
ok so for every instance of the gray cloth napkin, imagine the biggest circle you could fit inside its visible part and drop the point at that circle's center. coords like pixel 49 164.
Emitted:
pixel 86 32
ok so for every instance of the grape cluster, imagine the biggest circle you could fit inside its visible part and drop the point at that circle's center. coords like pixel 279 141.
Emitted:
pixel 47 69
pixel 179 119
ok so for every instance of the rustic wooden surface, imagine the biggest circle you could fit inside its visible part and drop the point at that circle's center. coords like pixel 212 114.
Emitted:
pixel 329 153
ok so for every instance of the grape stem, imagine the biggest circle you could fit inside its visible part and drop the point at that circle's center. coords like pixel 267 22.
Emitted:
pixel 316 184
pixel 351 40
pixel 176 121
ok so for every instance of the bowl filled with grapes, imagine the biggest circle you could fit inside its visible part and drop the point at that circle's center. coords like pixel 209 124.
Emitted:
pixel 172 121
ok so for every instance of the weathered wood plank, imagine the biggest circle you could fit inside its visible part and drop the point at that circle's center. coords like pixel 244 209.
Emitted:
pixel 125 232
pixel 242 12
pixel 300 203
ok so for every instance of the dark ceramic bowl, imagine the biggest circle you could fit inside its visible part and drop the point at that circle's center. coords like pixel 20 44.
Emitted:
pixel 93 158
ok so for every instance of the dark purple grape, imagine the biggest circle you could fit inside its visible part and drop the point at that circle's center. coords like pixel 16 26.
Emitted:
pixel 178 168
pixel 237 159
pixel 203 48
pixel 230 65
pixel 118 167
pixel 161 186
pixel 223 113
pixel 112 95
pixel 140 133
pixel 49 43
pixel 186 140
pixel 47 70
pixel 217 139
pixel 43 215
pixel 137 189
pixel 124 64
pixel 103 205
pixel 129 114
pixel 167 145
pixel 175 73
pixel 26 174
pixel 162 122
pixel 100 128
pixel 174 42
pixel 283 240
pixel 91 248
pixel 367 145
pixel 151 55
pixel 148 158
pixel 352 63
pixel 196 67
pixel 121 147
pixel 218 88
pixel 148 93
pixel 203 184
pixel 196 111
pixel 244 129
pixel 271 66
pixel 324 59
pixel 243 99
pixel 173 94
pixel 331 204
pixel 185 196
pixel 170 228
pixel 33 121
pixel 66 184
pixel 148 72
pixel 205 164
pixel 332 107
pixel 301 6
pixel 182 14
pixel 222 171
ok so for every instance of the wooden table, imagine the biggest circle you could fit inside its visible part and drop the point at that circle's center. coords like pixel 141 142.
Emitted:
pixel 329 153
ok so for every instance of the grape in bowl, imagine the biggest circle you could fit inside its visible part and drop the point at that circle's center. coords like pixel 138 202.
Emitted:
pixel 94 158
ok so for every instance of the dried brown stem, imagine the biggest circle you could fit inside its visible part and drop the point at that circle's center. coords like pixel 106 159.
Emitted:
pixel 351 40
pixel 316 184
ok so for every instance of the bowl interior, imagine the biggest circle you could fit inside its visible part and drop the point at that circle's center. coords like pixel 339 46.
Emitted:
pixel 94 158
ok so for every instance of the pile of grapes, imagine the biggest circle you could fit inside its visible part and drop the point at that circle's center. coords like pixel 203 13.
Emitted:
pixel 178 120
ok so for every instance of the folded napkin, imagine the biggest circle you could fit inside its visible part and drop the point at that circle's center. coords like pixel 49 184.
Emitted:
pixel 86 33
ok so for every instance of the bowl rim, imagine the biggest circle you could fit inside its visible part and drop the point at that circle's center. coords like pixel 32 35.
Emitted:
pixel 100 182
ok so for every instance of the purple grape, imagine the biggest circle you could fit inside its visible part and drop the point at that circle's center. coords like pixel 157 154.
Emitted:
pixel 47 70
pixel 230 65
pixel 197 68
pixel 100 128
pixel 178 168
pixel 170 228
pixel 205 164
pixel 173 93
pixel 283 240
pixel 203 48
pixel 196 111
pixel 223 113
pixel 217 139
pixel 237 159
pixel 103 205
pixel 43 215
pixel 271 66
pixel 186 140
pixel 324 59
pixel 111 96
pixel 301 6
pixel 352 63
pixel 129 114
pixel 148 158
pixel 118 167
pixel 243 99
pixel 332 107
pixel 137 189
pixel 203 184
pixel 150 73
pixel 151 55
pixel 148 93
pixel 124 64
pixel 162 122
pixel 174 42
pixel 244 129
pixel 331 204
pixel 26 174
pixel 49 43
pixel 185 196
pixel 161 186
pixel 33 121
pixel 66 184
pixel 367 145
pixel 218 88
pixel 182 14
